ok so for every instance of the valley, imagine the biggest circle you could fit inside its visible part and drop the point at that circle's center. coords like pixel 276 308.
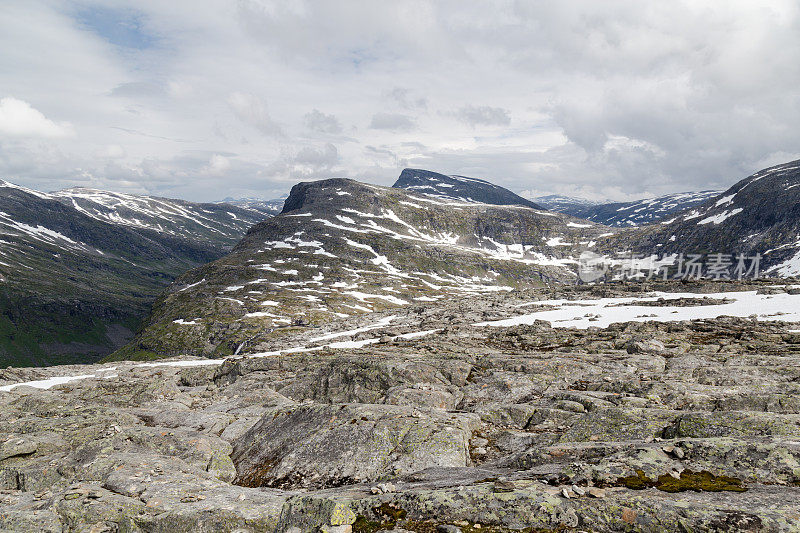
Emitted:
pixel 81 268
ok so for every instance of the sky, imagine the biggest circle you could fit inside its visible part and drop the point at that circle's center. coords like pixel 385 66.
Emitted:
pixel 202 100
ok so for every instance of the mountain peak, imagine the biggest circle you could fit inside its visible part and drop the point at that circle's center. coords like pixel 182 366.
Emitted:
pixel 462 188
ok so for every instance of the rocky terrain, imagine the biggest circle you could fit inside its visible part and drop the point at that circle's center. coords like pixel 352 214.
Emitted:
pixel 470 413
pixel 79 269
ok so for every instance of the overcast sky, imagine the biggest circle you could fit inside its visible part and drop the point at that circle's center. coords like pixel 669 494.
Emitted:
pixel 202 100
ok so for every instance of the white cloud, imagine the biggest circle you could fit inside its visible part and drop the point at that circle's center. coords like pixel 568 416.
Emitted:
pixel 406 99
pixel 218 164
pixel 392 122
pixel 19 119
pixel 614 98
pixel 252 110
pixel 318 121
pixel 112 151
pixel 483 115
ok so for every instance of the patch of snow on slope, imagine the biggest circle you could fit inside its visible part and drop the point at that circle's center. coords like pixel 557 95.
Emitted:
pixel 576 313
pixel 110 372
pixel 725 200
pixel 721 217
pixel 790 267
pixel 379 324
pixel 557 241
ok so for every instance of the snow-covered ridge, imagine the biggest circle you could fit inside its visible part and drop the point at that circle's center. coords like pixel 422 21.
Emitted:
pixel 783 176
pixel 173 217
pixel 627 214
pixel 221 223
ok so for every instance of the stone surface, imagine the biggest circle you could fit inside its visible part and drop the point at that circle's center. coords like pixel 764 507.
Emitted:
pixel 506 428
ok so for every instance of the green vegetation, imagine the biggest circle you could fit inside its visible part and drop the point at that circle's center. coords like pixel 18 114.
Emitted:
pixel 688 480
pixel 42 334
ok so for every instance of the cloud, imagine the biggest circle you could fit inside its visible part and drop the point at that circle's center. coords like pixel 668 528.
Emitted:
pixel 19 119
pixel 252 110
pixel 405 100
pixel 608 98
pixel 136 89
pixel 218 164
pixel 483 115
pixel 112 151
pixel 318 121
pixel 324 157
pixel 392 122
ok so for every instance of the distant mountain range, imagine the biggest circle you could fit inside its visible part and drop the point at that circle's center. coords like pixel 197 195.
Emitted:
pixel 79 268
pixel 268 207
pixel 341 248
pixel 626 214
pixel 560 203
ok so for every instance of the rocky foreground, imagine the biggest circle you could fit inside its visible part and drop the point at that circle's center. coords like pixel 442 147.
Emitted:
pixel 427 423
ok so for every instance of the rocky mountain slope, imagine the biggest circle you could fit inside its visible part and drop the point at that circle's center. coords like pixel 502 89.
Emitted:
pixel 758 215
pixel 221 225
pixel 463 415
pixel 626 214
pixel 458 188
pixel 79 268
pixel 342 248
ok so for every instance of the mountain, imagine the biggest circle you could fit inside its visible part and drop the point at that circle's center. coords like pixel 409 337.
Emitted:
pixel 563 204
pixel 459 188
pixel 626 214
pixel 267 207
pixel 758 215
pixel 216 223
pixel 341 248
pixel 79 269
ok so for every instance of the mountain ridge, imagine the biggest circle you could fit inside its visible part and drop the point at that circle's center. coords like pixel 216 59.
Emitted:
pixel 760 214
pixel 76 281
pixel 627 214
pixel 341 248
pixel 459 188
